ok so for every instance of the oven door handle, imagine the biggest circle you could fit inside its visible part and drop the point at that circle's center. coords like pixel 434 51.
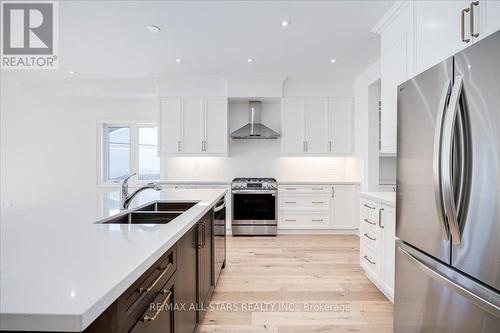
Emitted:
pixel 254 191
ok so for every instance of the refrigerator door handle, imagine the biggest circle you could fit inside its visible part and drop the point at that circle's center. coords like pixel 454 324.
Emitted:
pixel 436 167
pixel 479 301
pixel 449 127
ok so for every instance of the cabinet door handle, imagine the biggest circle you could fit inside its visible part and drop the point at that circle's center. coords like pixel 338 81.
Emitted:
pixel 160 308
pixel 330 145
pixel 372 238
pixel 318 202
pixel 290 220
pixel 165 270
pixel 317 220
pixel 179 145
pixel 368 221
pixel 204 234
pixel 368 206
pixel 462 25
pixel 290 202
pixel 317 189
pixel 472 5
pixel 307 146
pixel 380 218
pixel 304 146
pixel 290 188
pixel 371 262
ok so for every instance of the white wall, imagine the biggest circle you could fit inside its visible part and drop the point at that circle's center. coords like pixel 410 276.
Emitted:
pixel 49 145
pixel 258 158
pixel 365 87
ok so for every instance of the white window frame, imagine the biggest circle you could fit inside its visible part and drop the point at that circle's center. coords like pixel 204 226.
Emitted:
pixel 102 148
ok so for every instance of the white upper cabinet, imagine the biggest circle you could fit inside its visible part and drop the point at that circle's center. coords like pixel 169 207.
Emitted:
pixel 486 17
pixel 193 126
pixel 215 125
pixel 341 125
pixel 438 30
pixel 317 126
pixel 444 28
pixel 170 126
pixel 292 125
pixel 317 140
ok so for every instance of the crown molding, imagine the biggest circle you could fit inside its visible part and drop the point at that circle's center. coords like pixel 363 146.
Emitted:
pixel 389 16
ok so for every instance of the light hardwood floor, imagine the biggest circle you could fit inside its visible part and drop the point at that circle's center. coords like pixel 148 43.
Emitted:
pixel 271 285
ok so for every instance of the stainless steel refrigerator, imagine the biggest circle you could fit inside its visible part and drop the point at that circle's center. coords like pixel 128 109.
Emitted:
pixel 448 195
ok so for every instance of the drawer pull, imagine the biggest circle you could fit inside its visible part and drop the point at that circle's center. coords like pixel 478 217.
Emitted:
pixel 380 218
pixel 290 220
pixel 317 220
pixel 372 238
pixel 160 308
pixel 142 290
pixel 290 188
pixel 290 202
pixel 317 189
pixel 318 202
pixel 371 262
pixel 368 206
pixel 368 221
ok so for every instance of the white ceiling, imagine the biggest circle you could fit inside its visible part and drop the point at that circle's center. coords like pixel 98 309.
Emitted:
pixel 109 39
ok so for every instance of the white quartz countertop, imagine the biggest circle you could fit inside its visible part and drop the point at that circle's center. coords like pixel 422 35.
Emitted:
pixel 59 270
pixel 388 198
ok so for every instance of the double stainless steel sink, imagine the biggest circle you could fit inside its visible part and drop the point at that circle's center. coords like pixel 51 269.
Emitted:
pixel 154 213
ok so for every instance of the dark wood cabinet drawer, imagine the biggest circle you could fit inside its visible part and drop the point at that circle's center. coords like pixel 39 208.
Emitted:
pixel 150 281
pixel 124 313
pixel 159 316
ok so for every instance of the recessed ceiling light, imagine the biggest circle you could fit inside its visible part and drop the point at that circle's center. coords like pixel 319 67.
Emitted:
pixel 250 59
pixel 72 72
pixel 333 60
pixel 154 28
pixel 178 60
pixel 285 23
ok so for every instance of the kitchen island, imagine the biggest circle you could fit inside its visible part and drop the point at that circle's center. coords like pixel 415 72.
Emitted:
pixel 60 270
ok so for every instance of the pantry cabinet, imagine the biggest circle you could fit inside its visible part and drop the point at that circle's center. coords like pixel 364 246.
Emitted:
pixel 416 35
pixel 193 126
pixel 317 126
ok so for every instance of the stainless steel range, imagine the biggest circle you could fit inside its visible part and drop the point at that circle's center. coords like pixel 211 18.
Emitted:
pixel 254 206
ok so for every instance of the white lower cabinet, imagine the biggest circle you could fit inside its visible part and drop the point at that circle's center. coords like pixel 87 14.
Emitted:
pixel 318 206
pixel 377 234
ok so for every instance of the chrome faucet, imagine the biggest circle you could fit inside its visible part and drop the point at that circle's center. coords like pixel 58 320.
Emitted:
pixel 127 197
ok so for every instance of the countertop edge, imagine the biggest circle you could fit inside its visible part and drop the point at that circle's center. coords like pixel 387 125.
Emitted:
pixel 376 196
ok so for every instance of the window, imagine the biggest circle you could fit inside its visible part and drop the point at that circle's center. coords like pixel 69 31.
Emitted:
pixel 129 148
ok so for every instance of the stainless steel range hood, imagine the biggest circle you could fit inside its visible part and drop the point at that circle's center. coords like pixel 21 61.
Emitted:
pixel 254 129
